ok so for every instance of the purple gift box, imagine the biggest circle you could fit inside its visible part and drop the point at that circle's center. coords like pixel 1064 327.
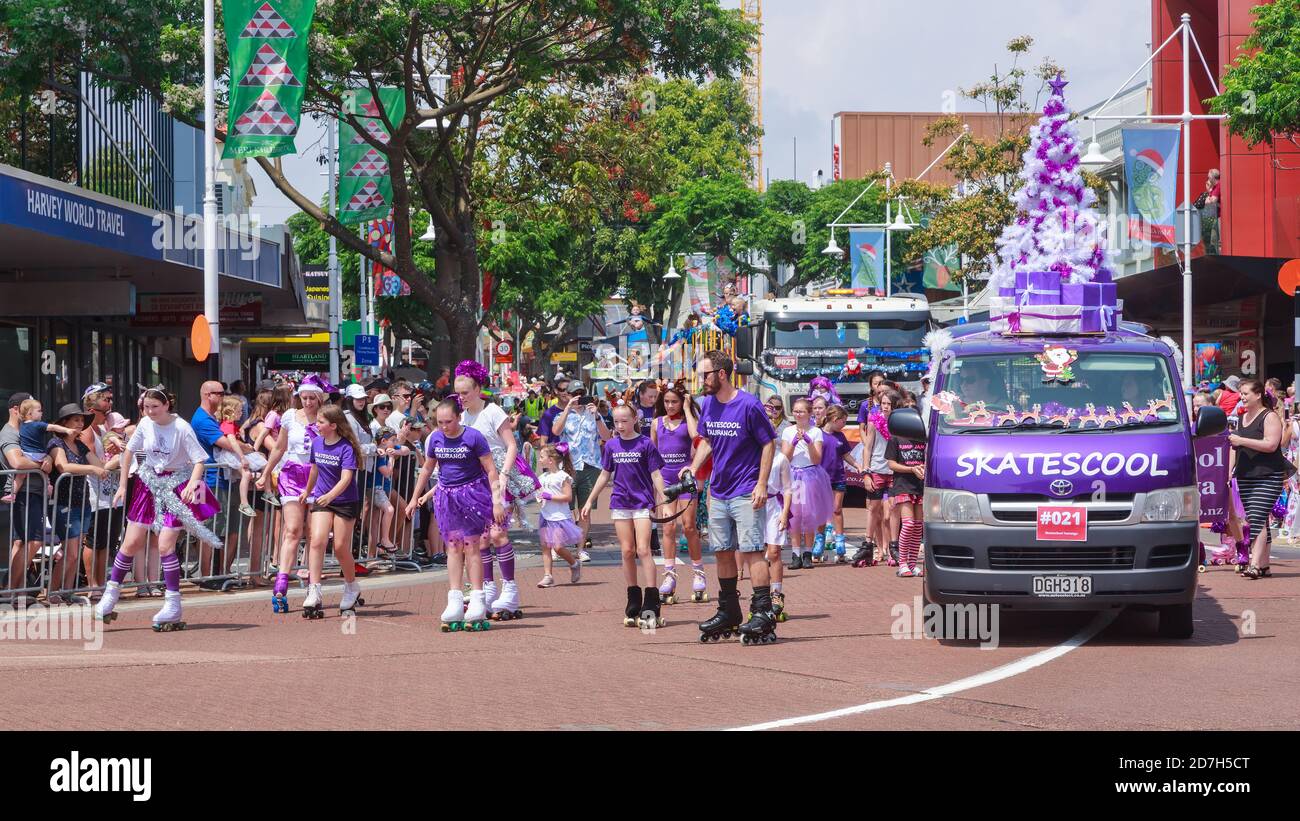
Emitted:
pixel 1085 294
pixel 1093 320
pixel 1007 293
pixel 1039 288
pixel 1107 293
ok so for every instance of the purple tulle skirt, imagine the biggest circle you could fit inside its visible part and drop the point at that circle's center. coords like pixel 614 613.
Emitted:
pixel 463 512
pixel 563 533
pixel 812 501
pixel 293 479
pixel 141 510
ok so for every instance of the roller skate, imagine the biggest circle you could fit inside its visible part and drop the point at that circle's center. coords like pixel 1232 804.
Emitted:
pixel 840 550
pixel 819 547
pixel 506 607
pixel 725 623
pixel 489 592
pixel 453 618
pixel 313 607
pixel 169 617
pixel 778 606
pixel 865 555
pixel 633 608
pixel 668 588
pixel 893 554
pixel 796 561
pixel 650 618
pixel 761 627
pixel 682 546
pixel 476 617
pixel 104 610
pixel 351 598
pixel 280 594
pixel 699 585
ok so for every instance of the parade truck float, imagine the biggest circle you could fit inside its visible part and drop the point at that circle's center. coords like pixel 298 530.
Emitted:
pixel 1060 450
pixel 840 335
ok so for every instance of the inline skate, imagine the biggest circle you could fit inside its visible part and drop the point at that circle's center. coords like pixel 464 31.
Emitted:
pixel 725 623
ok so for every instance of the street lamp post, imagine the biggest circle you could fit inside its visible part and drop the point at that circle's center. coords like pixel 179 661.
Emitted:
pixel 1186 118
pixel 211 301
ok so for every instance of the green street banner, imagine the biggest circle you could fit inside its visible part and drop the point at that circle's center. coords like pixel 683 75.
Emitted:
pixel 365 187
pixel 939 264
pixel 267 42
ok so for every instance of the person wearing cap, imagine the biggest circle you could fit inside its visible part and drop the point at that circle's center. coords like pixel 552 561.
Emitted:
pixel 1230 395
pixel 546 424
pixel 27 515
pixel 74 465
pixel 105 427
pixel 585 432
pixel 293 443
pixel 208 429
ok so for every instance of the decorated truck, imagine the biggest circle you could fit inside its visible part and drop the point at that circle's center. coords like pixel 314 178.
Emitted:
pixel 792 341
pixel 1061 474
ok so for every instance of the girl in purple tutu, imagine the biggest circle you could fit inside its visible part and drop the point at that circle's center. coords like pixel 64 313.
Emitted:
pixel 811 505
pixel 517 480
pixel 466 502
pixel 556 529
pixel 169 495
pixel 293 445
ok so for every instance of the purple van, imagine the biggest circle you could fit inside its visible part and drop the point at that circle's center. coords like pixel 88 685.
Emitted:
pixel 1061 475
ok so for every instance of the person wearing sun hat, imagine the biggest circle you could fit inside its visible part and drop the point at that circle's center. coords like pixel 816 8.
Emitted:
pixel 72 515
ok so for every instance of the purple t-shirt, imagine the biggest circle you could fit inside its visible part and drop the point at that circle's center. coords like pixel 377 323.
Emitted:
pixel 632 461
pixel 458 459
pixel 331 461
pixel 674 449
pixel 834 446
pixel 737 431
pixel 546 422
pixel 647 414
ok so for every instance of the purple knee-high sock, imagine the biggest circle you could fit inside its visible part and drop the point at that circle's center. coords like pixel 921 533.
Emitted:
pixel 171 568
pixel 486 555
pixel 121 566
pixel 506 556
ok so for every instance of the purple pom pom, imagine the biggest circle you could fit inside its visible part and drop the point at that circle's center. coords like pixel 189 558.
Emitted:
pixel 1279 508
pixel 474 370
pixel 1218 527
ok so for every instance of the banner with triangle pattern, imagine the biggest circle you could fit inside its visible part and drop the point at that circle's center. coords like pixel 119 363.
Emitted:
pixel 365 187
pixel 267 43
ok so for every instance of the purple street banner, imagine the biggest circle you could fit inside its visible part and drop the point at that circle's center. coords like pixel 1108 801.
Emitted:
pixel 866 253
pixel 1212 477
pixel 1151 172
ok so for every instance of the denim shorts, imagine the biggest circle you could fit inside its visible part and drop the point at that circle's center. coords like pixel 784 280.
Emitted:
pixel 72 522
pixel 735 525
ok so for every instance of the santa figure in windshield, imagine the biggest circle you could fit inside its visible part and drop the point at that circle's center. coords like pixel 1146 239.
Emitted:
pixel 852 367
pixel 1056 361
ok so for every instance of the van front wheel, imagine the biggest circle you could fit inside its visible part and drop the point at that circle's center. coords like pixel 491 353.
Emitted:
pixel 1176 621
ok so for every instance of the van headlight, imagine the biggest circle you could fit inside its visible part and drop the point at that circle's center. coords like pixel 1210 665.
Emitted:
pixel 956 506
pixel 1174 504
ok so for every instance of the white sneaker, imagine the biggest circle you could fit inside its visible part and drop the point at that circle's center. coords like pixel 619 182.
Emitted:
pixel 583 556
pixel 904 572
pixel 547 581
pixel 112 592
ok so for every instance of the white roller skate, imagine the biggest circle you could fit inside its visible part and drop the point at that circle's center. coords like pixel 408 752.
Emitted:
pixel 575 572
pixel 351 598
pixel 506 607
pixel 313 605
pixel 476 617
pixel 699 584
pixel 104 610
pixel 169 617
pixel 667 590
pixel 453 618
pixel 489 592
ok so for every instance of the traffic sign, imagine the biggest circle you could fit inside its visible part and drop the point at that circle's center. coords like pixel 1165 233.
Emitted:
pixel 367 348
pixel 505 352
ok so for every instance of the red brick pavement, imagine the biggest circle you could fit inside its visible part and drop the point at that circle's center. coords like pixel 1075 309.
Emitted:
pixel 570 664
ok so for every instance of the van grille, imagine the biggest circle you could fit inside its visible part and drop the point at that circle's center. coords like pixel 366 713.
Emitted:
pixel 1073 557
pixel 1022 508
pixel 953 556
pixel 1170 555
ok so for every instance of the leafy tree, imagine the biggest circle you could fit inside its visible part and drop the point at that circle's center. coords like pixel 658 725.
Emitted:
pixel 491 50
pixel 1261 89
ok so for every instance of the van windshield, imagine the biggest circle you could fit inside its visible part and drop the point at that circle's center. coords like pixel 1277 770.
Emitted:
pixel 1061 389
pixel 826 333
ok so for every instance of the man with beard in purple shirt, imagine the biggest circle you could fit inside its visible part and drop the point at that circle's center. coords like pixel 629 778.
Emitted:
pixel 739 437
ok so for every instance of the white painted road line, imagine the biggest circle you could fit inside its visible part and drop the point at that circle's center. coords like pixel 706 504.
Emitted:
pixel 1006 671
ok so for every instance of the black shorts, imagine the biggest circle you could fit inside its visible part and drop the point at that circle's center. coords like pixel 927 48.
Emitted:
pixel 108 526
pixel 344 510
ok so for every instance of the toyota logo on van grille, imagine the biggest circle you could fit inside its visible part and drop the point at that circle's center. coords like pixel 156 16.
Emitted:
pixel 1062 487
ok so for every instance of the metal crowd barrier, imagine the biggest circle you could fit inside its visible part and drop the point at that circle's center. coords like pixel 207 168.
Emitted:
pixel 73 551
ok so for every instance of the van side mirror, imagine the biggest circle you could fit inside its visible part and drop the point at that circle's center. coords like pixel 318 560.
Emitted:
pixel 745 368
pixel 744 342
pixel 1210 421
pixel 906 423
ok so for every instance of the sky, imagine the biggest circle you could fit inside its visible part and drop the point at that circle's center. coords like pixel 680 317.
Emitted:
pixel 824 56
